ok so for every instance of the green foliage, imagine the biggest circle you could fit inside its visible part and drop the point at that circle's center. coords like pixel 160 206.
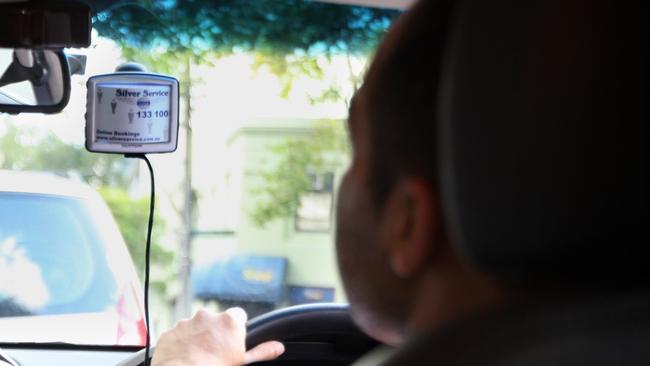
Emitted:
pixel 288 68
pixel 132 216
pixel 287 36
pixel 265 26
pixel 164 62
pixel 323 150
pixel 21 148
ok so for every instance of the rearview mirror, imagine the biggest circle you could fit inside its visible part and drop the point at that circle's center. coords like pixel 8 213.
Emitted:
pixel 33 80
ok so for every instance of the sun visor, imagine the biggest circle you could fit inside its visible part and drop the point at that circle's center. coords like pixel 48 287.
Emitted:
pixel 48 24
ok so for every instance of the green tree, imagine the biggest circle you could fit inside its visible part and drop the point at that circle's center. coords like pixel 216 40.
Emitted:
pixel 22 148
pixel 288 36
pixel 132 216
pixel 324 150
pixel 179 64
pixel 265 26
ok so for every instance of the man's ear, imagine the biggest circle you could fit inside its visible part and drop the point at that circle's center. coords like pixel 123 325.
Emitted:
pixel 411 225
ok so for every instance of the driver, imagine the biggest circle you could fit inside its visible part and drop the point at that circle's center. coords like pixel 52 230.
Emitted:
pixel 401 274
pixel 408 284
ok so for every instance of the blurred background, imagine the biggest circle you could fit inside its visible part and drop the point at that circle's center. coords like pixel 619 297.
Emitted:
pixel 245 205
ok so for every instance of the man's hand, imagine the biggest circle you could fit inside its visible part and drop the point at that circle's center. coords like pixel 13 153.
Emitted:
pixel 212 339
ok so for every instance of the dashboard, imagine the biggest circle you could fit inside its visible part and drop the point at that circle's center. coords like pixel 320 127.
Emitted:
pixel 317 334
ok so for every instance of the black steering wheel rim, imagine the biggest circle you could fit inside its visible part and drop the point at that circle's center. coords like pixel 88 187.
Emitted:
pixel 299 321
pixel 317 334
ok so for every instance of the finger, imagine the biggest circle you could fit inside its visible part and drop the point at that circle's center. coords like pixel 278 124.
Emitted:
pixel 266 351
pixel 203 316
pixel 238 314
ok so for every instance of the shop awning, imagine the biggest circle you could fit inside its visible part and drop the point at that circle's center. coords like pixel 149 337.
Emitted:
pixel 247 278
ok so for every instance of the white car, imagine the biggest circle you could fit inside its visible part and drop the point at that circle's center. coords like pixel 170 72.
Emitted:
pixel 67 275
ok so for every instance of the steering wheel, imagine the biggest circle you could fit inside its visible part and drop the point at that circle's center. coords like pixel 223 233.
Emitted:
pixel 318 334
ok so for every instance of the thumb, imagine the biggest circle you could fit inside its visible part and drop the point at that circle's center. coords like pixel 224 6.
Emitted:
pixel 266 351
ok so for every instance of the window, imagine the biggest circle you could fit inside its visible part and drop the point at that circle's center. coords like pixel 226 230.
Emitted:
pixel 315 211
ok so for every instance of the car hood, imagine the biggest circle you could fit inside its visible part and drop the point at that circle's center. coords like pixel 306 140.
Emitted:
pixel 81 329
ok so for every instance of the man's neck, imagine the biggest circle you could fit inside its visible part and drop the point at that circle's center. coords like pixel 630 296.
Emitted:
pixel 449 292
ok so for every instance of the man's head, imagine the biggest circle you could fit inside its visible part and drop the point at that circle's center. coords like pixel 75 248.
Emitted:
pixel 542 161
pixel 391 240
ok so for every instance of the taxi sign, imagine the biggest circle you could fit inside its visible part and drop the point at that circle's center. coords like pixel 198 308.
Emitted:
pixel 132 113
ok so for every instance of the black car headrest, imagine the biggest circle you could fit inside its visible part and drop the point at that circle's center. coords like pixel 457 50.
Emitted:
pixel 542 133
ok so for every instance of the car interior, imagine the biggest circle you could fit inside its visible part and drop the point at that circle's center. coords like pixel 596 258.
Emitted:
pixel 531 145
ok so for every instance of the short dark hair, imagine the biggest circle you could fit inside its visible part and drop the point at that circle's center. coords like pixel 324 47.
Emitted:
pixel 401 91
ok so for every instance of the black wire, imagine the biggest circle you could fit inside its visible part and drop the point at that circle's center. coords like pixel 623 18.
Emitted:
pixel 147 253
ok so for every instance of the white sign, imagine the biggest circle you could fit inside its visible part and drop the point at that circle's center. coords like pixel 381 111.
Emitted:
pixel 132 113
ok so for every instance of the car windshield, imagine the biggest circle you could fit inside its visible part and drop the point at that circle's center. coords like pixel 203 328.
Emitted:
pixel 245 206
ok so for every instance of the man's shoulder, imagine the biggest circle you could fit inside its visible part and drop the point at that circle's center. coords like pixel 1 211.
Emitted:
pixel 591 331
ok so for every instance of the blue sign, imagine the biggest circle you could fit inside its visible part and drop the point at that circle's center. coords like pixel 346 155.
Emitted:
pixel 143 103
pixel 307 295
pixel 242 278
